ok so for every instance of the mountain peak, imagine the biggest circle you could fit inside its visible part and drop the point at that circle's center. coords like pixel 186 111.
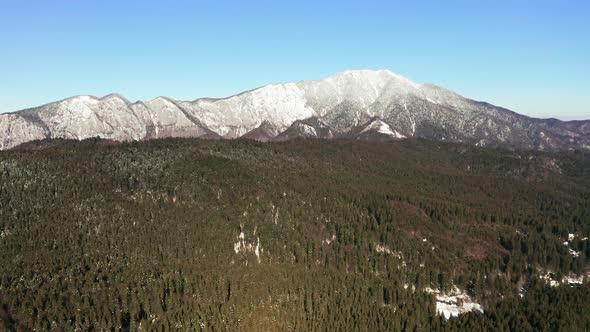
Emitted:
pixel 115 96
pixel 368 74
pixel 81 98
pixel 358 72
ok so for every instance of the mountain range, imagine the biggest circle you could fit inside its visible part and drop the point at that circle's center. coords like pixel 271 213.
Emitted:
pixel 361 104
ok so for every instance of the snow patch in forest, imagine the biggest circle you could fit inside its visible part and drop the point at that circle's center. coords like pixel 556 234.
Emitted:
pixel 571 237
pixel 257 249
pixel 275 214
pixel 574 253
pixel 570 279
pixel 574 280
pixel 240 243
pixel 413 288
pixel 454 303
pixel 383 249
pixel 243 246
pixel 330 240
pixel 548 279
pixel 5 233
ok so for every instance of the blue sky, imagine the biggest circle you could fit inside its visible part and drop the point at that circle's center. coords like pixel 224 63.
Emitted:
pixel 530 56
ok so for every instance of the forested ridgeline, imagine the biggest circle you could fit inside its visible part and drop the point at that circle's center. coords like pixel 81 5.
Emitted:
pixel 188 234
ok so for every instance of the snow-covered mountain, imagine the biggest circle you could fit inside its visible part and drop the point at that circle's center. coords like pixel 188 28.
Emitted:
pixel 380 102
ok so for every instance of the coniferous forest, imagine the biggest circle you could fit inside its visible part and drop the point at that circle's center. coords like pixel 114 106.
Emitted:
pixel 304 235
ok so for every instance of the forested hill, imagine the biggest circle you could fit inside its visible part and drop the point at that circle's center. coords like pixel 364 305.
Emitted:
pixel 189 234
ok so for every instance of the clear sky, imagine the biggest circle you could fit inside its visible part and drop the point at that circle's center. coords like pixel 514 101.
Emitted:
pixel 530 56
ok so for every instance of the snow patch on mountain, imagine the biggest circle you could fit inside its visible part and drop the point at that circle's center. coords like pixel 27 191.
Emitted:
pixel 382 128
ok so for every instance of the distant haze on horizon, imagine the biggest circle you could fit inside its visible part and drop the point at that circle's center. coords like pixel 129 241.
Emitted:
pixel 527 56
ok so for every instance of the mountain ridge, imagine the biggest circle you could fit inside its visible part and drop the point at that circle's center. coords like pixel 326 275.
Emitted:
pixel 342 102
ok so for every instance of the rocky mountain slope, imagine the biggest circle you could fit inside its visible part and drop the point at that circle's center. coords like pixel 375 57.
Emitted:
pixel 339 104
pixel 263 133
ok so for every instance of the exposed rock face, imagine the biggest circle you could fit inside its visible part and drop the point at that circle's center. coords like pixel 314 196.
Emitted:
pixel 18 128
pixel 333 107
